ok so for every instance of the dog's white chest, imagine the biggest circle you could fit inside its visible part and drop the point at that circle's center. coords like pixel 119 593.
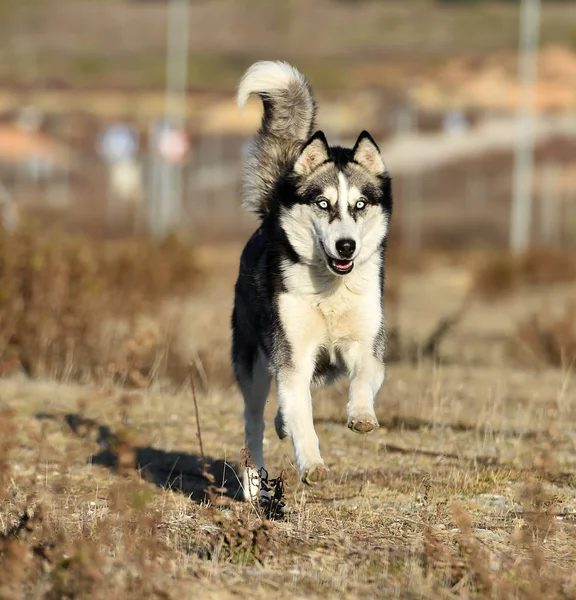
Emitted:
pixel 337 305
pixel 352 312
pixel 331 313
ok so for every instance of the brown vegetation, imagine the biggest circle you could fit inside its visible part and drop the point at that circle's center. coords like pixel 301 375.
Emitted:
pixel 494 278
pixel 60 294
pixel 547 339
pixel 465 491
pixel 499 275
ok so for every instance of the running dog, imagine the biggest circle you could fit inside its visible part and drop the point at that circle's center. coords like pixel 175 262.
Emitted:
pixel 309 296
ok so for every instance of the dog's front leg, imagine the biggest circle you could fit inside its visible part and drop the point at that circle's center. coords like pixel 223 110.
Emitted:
pixel 366 377
pixel 293 389
pixel 294 362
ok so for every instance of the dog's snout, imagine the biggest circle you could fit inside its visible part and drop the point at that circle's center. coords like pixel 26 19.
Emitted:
pixel 345 248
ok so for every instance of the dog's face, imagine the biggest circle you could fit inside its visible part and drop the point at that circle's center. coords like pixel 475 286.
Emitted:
pixel 342 204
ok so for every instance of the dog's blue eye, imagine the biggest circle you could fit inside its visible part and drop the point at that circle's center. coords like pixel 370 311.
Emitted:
pixel 322 203
pixel 360 204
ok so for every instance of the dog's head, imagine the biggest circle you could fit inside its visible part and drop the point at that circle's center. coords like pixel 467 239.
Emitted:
pixel 340 203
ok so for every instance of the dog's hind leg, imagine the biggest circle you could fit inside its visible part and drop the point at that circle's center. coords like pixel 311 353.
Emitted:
pixel 279 425
pixel 254 381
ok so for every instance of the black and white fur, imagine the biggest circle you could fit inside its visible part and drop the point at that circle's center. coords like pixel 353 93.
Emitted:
pixel 309 295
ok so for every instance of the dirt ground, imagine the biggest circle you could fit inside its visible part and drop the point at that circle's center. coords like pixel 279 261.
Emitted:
pixel 465 491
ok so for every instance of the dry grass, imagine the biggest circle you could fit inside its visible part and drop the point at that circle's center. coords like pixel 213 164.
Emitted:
pixel 493 278
pixel 466 491
pixel 498 275
pixel 547 339
pixel 60 296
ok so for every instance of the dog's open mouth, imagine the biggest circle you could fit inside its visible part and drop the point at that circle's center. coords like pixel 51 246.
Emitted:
pixel 341 267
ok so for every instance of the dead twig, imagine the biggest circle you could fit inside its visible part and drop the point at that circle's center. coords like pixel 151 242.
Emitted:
pixel 215 494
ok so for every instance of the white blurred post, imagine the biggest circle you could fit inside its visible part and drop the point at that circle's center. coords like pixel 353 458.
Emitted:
pixel 176 84
pixel 522 184
pixel 167 186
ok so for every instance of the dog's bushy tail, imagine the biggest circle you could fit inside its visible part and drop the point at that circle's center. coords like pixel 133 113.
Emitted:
pixel 288 121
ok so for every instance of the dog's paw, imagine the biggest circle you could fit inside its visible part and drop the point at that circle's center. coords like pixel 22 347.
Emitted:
pixel 315 474
pixel 363 423
pixel 255 484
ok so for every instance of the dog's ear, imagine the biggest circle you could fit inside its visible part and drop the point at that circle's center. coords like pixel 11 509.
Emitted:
pixel 314 153
pixel 367 154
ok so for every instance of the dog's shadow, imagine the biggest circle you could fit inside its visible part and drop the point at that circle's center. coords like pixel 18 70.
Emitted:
pixel 178 471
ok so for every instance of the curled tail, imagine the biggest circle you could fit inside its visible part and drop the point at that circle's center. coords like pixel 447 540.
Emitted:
pixel 288 121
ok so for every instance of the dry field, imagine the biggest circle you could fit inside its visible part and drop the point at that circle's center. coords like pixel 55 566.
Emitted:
pixel 338 43
pixel 466 491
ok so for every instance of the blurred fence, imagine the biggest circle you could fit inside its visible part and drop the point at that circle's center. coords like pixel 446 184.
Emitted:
pixel 452 182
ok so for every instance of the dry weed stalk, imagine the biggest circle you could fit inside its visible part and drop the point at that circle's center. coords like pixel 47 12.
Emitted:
pixel 474 568
pixel 477 557
pixel 537 578
pixel 215 494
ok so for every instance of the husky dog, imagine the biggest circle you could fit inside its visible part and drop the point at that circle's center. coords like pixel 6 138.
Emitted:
pixel 309 295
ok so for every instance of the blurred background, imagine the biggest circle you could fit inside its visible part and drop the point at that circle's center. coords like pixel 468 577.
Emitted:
pixel 121 155
pixel 118 116
pixel 121 228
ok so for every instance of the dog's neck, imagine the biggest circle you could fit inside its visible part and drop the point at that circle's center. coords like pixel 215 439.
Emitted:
pixel 318 280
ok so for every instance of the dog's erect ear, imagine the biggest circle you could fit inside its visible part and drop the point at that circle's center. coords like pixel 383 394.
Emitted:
pixel 367 154
pixel 314 153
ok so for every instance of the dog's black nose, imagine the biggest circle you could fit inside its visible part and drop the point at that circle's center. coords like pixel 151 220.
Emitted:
pixel 345 248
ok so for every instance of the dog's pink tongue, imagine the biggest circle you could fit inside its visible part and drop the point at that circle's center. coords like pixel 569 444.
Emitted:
pixel 342 265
